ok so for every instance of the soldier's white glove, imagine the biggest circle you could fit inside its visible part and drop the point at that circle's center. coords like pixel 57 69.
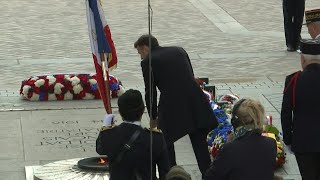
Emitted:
pixel 108 120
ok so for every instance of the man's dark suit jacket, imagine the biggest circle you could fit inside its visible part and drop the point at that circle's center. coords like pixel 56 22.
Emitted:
pixel 251 157
pixel 301 124
pixel 110 141
pixel 183 107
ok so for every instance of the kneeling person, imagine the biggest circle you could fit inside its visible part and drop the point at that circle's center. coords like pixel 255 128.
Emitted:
pixel 134 161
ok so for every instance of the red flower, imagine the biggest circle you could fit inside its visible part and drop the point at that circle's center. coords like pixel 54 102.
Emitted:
pixel 30 95
pixel 199 81
pixel 83 78
pixel 114 94
pixel 30 82
pixel 59 76
pixel 280 161
pixel 214 152
pixel 82 94
pixel 35 90
pixel 97 94
pixel 51 89
pixel 60 80
pixel 86 87
pixel 60 97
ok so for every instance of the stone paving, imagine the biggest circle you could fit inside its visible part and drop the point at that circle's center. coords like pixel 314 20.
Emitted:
pixel 238 45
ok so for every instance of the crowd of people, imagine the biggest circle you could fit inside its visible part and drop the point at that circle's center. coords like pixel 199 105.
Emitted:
pixel 183 109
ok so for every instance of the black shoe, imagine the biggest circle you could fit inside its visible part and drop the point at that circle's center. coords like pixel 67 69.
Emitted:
pixel 290 49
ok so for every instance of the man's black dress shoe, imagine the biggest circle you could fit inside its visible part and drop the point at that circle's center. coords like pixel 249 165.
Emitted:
pixel 290 49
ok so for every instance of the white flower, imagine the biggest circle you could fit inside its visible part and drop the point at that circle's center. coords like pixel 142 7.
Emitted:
pixel 39 82
pixel 68 96
pixel 77 89
pixel 92 81
pixel 57 88
pixel 51 79
pixel 34 78
pixel 52 97
pixel 121 91
pixel 74 80
pixel 25 90
pixel 67 77
pixel 35 97
pixel 88 96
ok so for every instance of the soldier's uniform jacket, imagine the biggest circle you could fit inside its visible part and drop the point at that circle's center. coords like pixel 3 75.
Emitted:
pixel 137 159
pixel 301 109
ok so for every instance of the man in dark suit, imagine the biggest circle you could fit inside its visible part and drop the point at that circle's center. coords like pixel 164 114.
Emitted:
pixel 183 108
pixel 300 111
pixel 133 161
pixel 313 23
pixel 293 12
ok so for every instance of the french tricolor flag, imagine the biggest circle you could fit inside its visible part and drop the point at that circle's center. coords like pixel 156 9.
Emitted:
pixel 101 43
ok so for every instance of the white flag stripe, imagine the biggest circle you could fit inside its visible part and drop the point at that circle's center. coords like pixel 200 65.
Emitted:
pixel 92 33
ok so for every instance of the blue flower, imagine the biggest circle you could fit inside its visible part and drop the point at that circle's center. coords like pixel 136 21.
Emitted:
pixel 94 86
pixel 42 95
pixel 114 86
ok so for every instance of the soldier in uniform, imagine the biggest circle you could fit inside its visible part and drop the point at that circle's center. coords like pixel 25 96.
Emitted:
pixel 183 107
pixel 313 23
pixel 128 145
pixel 293 12
pixel 300 111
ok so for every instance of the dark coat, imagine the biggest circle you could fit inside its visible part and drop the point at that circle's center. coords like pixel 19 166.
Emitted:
pixel 247 158
pixel 183 107
pixel 110 142
pixel 300 125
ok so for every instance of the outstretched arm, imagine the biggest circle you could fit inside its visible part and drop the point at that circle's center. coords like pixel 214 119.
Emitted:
pixel 149 92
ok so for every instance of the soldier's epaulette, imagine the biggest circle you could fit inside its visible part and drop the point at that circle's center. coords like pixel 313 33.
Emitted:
pixel 154 130
pixel 104 128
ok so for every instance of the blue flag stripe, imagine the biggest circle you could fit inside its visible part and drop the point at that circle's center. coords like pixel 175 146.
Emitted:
pixel 103 45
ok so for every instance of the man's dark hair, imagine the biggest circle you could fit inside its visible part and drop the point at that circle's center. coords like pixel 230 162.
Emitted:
pixel 144 41
pixel 131 105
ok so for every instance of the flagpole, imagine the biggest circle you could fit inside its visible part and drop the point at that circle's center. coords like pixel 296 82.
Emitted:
pixel 151 87
pixel 106 82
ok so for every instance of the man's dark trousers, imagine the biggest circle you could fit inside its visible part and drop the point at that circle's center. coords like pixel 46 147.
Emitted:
pixel 293 12
pixel 200 148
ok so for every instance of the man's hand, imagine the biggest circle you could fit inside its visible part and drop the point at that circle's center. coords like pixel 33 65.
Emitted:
pixel 153 123
pixel 229 136
pixel 108 120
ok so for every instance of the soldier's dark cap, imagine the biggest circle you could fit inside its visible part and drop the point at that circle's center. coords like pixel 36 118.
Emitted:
pixel 310 46
pixel 130 101
pixel 312 16
pixel 177 172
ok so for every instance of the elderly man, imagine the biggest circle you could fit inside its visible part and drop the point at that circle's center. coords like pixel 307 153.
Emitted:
pixel 300 111
pixel 313 23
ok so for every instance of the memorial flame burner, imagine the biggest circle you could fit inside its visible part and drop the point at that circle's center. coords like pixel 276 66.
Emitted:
pixel 80 169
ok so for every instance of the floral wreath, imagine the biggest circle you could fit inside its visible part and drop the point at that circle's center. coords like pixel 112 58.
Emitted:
pixel 66 87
